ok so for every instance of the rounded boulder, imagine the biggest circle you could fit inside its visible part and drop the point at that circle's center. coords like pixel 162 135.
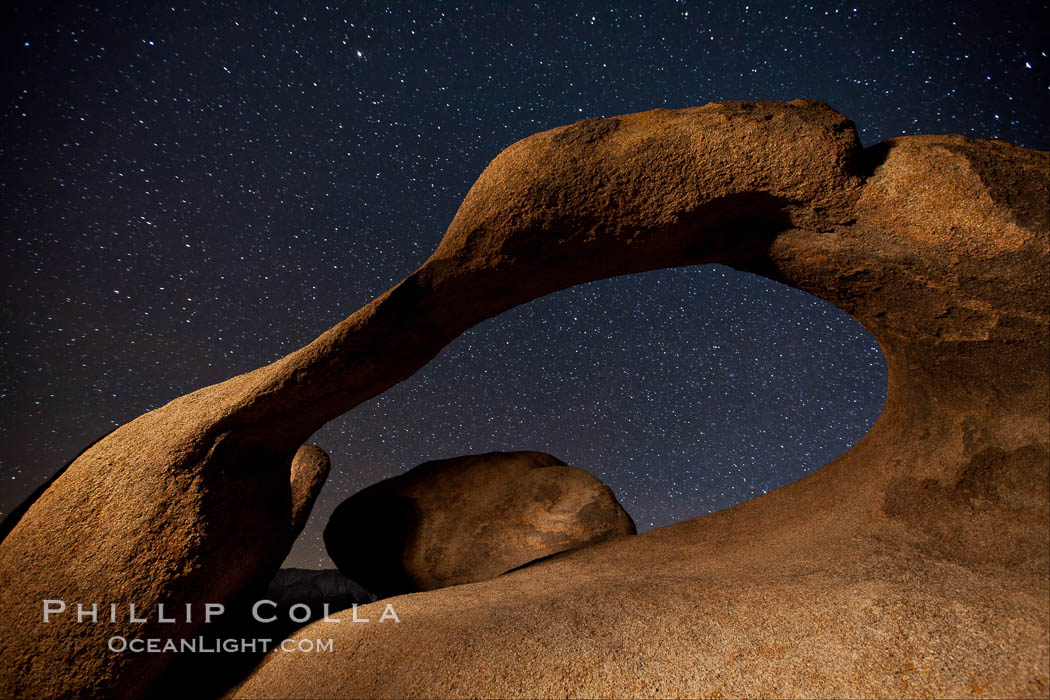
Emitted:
pixel 468 519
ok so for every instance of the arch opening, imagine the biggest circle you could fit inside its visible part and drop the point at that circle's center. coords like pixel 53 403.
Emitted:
pixel 703 388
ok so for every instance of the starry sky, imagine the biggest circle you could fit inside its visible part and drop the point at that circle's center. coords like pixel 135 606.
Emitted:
pixel 191 190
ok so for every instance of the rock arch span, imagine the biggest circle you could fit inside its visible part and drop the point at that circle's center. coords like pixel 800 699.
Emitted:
pixel 876 574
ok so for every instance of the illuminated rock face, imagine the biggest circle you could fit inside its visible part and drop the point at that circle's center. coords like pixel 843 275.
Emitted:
pixel 468 519
pixel 916 563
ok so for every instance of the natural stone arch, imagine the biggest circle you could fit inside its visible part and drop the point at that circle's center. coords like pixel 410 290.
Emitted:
pixel 937 245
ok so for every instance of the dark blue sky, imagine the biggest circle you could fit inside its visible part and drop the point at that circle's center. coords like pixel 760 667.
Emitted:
pixel 189 191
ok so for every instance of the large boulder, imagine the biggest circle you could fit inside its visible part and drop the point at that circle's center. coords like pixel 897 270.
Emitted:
pixel 469 519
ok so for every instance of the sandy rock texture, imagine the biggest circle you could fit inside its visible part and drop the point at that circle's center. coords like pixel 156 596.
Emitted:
pixel 915 564
pixel 152 517
pixel 468 519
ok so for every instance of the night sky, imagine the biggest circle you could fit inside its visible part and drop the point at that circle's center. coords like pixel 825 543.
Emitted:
pixel 190 191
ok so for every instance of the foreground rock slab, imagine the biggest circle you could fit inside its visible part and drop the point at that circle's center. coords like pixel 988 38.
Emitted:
pixel 469 519
pixel 915 564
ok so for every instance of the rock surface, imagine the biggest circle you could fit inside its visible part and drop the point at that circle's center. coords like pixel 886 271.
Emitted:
pixel 914 564
pixel 469 519
pixel 115 530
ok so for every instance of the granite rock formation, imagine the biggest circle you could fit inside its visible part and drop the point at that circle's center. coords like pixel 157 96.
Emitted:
pixel 119 527
pixel 469 519
pixel 914 564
